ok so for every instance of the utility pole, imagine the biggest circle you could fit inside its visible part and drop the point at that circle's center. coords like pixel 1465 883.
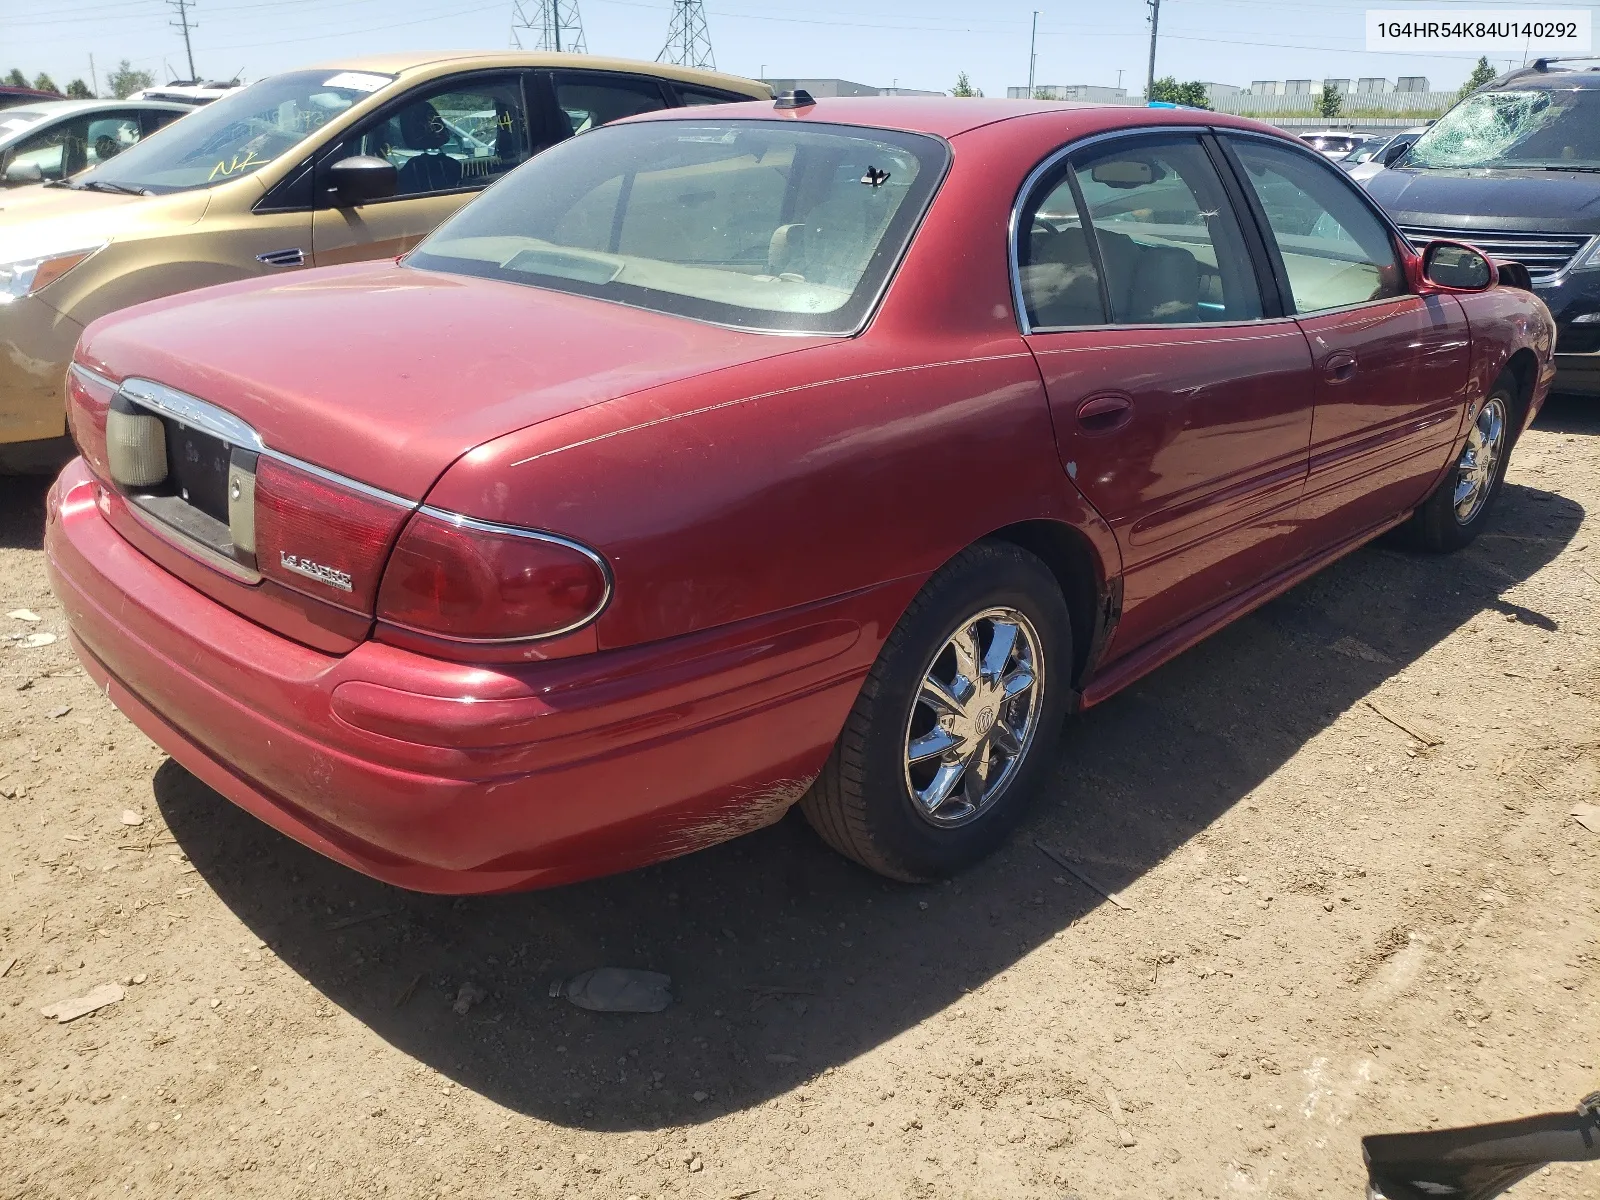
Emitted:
pixel 553 25
pixel 182 9
pixel 1155 20
pixel 688 37
pixel 1033 55
pixel 94 80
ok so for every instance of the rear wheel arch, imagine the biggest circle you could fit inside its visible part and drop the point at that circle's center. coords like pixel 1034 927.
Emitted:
pixel 1079 572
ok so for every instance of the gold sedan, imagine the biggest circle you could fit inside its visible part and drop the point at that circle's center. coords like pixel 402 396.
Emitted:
pixel 352 161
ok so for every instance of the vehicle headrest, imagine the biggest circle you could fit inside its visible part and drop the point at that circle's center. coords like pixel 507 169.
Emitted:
pixel 422 127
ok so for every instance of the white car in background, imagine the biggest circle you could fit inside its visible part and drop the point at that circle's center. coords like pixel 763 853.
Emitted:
pixel 188 91
pixel 1391 150
pixel 1335 143
pixel 55 139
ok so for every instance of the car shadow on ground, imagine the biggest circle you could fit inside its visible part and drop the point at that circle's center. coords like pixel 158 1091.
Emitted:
pixel 22 511
pixel 1570 414
pixel 785 958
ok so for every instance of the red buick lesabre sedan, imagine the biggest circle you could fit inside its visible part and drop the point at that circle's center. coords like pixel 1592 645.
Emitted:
pixel 828 453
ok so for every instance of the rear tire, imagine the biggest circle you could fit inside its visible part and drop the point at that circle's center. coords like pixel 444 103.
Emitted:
pixel 1459 507
pixel 956 725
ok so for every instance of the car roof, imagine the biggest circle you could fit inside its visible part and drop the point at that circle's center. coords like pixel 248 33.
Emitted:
pixel 46 109
pixel 1547 75
pixel 438 60
pixel 949 116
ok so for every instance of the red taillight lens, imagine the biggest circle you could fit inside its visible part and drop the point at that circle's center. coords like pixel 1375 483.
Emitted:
pixel 320 537
pixel 467 580
pixel 88 403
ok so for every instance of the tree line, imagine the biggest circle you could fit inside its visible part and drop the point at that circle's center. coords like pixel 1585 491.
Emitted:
pixel 120 84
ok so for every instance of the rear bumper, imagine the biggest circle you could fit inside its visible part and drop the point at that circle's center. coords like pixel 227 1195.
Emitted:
pixel 449 778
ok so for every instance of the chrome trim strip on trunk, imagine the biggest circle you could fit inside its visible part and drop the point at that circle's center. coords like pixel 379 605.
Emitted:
pixel 192 411
pixel 94 377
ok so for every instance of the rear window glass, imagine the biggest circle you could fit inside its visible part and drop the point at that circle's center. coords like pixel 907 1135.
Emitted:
pixel 757 224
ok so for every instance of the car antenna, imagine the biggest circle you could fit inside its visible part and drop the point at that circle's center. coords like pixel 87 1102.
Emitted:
pixel 799 98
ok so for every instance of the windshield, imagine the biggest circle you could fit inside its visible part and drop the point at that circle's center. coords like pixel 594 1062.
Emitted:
pixel 238 134
pixel 1535 128
pixel 1366 151
pixel 758 224
pixel 14 120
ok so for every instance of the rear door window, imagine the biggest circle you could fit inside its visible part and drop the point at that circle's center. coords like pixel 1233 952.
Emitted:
pixel 589 99
pixel 691 97
pixel 1155 241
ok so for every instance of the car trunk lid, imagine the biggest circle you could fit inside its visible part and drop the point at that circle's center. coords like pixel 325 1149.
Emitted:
pixel 283 432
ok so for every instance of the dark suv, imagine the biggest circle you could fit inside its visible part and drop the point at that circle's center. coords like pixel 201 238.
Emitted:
pixel 1515 169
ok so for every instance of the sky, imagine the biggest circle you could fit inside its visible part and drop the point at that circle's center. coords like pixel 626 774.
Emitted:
pixel 908 43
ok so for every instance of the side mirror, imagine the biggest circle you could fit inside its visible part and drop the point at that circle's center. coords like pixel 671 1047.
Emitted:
pixel 1456 267
pixel 24 172
pixel 1392 153
pixel 362 178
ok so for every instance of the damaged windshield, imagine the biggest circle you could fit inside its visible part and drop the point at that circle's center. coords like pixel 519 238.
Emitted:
pixel 1538 128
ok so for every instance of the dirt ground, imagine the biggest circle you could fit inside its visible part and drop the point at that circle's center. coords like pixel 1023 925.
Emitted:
pixel 1331 929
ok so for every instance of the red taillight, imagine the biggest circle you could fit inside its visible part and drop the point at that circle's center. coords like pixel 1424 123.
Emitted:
pixel 88 403
pixel 320 537
pixel 452 577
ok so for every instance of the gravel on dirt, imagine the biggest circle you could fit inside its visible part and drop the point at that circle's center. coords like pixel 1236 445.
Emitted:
pixel 1357 902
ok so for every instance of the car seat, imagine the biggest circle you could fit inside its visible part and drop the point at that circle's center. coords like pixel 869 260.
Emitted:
pixel 423 130
pixel 1059 280
pixel 1149 284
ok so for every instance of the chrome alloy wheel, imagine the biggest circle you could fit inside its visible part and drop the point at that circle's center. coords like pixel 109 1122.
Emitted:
pixel 975 716
pixel 1476 467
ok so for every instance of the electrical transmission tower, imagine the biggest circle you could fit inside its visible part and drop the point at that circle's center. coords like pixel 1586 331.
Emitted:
pixel 183 23
pixel 554 25
pixel 688 39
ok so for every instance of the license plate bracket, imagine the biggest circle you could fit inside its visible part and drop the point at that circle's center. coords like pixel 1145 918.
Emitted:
pixel 197 466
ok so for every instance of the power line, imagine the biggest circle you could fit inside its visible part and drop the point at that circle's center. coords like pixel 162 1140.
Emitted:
pixel 556 25
pixel 688 38
pixel 182 9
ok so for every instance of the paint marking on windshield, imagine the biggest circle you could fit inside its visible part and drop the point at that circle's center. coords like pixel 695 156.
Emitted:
pixel 226 167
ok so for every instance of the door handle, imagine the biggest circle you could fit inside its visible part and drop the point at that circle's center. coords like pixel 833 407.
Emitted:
pixel 1340 367
pixel 1102 414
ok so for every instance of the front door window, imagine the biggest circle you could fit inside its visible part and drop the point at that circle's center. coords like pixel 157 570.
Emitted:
pixel 461 136
pixel 1335 250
